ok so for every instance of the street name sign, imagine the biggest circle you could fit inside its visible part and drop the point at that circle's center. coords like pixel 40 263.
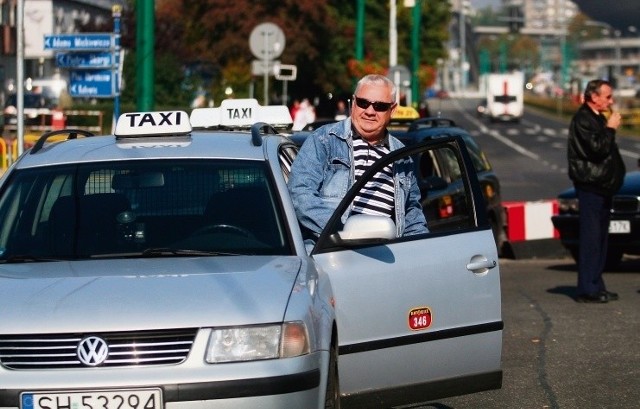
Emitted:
pixel 92 83
pixel 78 42
pixel 85 60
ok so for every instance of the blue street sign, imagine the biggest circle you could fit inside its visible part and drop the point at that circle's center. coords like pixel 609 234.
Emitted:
pixel 92 83
pixel 85 60
pixel 77 42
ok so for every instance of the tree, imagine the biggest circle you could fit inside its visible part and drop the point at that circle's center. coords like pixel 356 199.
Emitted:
pixel 320 41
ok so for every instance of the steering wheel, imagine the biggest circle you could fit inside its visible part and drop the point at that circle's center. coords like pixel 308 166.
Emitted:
pixel 212 228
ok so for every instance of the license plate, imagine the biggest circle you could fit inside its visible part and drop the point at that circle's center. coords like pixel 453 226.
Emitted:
pixel 619 226
pixel 98 399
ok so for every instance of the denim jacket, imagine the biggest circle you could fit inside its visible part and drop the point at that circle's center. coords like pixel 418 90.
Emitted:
pixel 323 172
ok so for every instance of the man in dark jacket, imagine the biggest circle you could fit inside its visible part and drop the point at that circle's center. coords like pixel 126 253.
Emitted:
pixel 597 172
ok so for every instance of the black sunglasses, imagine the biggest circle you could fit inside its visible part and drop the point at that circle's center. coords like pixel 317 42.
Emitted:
pixel 377 106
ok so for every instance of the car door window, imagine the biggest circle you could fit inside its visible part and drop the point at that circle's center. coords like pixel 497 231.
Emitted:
pixel 414 311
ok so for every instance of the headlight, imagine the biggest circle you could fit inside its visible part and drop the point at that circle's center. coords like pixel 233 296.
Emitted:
pixel 568 205
pixel 257 342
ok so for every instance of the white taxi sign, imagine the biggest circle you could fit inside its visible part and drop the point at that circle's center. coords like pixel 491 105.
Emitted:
pixel 243 112
pixel 134 124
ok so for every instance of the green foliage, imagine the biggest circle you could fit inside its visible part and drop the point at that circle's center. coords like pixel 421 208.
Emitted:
pixel 320 41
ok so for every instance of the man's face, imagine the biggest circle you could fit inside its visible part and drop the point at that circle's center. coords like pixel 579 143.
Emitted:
pixel 602 100
pixel 370 123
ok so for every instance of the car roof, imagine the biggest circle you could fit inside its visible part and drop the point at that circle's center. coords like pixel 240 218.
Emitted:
pixel 167 134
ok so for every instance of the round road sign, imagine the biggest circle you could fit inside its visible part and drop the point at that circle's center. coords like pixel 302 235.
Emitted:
pixel 267 41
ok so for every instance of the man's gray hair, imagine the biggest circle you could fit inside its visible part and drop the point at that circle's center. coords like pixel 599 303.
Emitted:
pixel 377 79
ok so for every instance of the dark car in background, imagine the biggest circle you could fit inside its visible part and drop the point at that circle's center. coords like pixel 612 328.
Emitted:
pixel 36 105
pixel 624 227
pixel 440 181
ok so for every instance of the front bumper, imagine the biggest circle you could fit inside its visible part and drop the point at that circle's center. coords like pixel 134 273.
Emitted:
pixel 292 382
pixel 629 243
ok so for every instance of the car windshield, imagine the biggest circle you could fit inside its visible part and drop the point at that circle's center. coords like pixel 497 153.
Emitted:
pixel 151 208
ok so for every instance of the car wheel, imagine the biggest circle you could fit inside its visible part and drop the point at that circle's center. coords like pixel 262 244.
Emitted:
pixel 613 258
pixel 332 396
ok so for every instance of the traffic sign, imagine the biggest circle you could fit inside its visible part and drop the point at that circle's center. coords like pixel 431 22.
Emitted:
pixel 86 41
pixel 261 67
pixel 267 41
pixel 92 83
pixel 286 72
pixel 85 60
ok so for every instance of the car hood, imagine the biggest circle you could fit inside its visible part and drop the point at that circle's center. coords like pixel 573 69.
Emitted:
pixel 114 295
pixel 630 187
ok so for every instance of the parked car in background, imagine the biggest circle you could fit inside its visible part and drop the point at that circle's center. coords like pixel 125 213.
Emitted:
pixel 36 106
pixel 624 227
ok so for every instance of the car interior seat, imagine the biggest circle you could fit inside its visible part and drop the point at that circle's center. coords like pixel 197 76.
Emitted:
pixel 247 207
pixel 89 225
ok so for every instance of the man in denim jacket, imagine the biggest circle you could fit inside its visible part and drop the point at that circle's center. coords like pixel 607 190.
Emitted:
pixel 326 166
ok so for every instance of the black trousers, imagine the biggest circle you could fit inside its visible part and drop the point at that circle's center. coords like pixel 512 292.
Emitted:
pixel 595 213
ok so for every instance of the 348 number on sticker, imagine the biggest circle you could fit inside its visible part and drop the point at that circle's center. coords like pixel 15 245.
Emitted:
pixel 420 318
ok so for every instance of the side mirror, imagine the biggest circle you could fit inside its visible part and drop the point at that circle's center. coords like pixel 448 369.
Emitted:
pixel 365 229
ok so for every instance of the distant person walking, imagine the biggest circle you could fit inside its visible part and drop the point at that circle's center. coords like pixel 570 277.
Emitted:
pixel 305 114
pixel 597 171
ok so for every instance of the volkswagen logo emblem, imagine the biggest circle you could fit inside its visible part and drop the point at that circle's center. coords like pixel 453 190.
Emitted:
pixel 92 351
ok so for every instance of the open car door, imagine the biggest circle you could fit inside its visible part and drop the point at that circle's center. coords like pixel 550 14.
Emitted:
pixel 419 317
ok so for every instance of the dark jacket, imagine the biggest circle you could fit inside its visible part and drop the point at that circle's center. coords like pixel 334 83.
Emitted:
pixel 595 164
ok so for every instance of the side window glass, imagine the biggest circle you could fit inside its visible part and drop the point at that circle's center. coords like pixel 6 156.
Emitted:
pixel 450 161
pixel 448 206
pixel 286 157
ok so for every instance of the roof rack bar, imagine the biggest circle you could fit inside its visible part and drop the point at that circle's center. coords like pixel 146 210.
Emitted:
pixel 261 128
pixel 71 134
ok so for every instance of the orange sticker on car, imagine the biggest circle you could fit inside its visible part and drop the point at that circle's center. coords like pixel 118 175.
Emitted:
pixel 420 318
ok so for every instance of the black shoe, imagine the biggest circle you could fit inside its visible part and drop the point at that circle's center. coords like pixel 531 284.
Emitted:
pixel 598 298
pixel 610 296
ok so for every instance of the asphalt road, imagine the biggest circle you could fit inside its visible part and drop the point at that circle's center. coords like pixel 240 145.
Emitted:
pixel 558 353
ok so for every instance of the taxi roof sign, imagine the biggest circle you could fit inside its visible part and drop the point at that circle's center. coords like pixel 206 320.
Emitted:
pixel 240 113
pixel 157 123
pixel 404 112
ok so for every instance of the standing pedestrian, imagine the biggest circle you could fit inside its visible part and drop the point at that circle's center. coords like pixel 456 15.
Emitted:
pixel 597 171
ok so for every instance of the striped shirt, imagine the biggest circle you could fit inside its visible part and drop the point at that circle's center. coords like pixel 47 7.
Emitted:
pixel 377 197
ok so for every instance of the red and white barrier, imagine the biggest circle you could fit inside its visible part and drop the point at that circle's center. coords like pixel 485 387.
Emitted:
pixel 530 220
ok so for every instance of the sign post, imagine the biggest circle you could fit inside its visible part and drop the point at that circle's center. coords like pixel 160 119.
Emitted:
pixel 267 42
pixel 93 60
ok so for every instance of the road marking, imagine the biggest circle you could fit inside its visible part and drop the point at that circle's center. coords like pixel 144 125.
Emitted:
pixel 495 134
pixel 518 148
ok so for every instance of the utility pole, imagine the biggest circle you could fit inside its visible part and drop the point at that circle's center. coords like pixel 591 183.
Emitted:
pixel 20 76
pixel 415 51
pixel 145 41
pixel 393 46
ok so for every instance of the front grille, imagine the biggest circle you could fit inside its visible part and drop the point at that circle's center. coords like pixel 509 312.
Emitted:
pixel 625 204
pixel 47 351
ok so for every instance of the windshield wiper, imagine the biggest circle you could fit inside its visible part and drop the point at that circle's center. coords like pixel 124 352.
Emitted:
pixel 169 252
pixel 27 258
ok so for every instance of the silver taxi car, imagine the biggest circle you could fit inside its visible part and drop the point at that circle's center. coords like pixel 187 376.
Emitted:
pixel 164 267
